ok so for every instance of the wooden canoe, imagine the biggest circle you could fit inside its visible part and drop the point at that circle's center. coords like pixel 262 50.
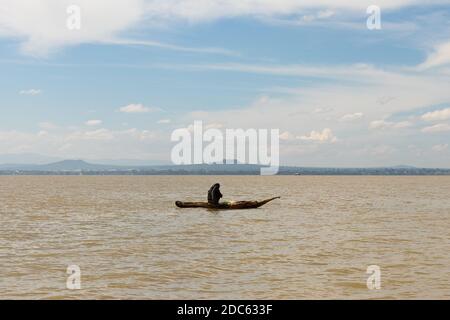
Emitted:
pixel 226 205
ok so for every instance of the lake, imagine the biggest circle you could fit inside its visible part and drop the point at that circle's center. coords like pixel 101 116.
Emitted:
pixel 316 242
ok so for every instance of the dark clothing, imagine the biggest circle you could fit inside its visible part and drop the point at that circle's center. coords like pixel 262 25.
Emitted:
pixel 214 194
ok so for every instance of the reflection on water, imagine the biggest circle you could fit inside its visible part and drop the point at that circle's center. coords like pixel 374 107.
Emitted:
pixel 130 241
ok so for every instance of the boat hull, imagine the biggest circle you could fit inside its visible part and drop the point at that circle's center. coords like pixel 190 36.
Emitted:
pixel 228 205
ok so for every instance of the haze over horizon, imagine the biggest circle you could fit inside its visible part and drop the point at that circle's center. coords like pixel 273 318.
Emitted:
pixel 341 95
pixel 16 160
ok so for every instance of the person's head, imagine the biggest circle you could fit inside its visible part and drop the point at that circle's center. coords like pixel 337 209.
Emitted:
pixel 217 185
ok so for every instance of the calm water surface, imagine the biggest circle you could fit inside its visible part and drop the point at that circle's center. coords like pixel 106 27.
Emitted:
pixel 130 241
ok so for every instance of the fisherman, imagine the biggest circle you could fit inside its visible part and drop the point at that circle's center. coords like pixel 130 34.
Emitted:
pixel 214 194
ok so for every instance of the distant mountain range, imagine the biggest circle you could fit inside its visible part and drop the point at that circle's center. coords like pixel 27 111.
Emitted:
pixel 72 167
pixel 65 165
pixel 81 165
pixel 33 159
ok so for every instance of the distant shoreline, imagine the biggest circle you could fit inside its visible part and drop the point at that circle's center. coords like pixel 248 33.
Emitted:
pixel 80 167
pixel 367 174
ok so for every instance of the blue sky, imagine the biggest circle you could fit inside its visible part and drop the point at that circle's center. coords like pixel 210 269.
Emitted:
pixel 341 95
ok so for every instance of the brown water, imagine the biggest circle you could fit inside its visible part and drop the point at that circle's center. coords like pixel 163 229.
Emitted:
pixel 316 242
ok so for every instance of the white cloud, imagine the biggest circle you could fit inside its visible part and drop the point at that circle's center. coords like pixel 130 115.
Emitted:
pixel 403 124
pixel 438 115
pixel 363 72
pixel 30 92
pixel 440 127
pixel 440 147
pixel 47 126
pixel 331 101
pixel 323 14
pixel 352 116
pixel 214 125
pixel 322 110
pixel 164 121
pixel 207 10
pixel 206 125
pixel 99 134
pixel 439 57
pixel 136 108
pixel 383 124
pixel 385 99
pixel 102 143
pixel 162 45
pixel 325 136
pixel 378 124
pixel 93 123
pixel 287 136
pixel 381 150
pixel 41 26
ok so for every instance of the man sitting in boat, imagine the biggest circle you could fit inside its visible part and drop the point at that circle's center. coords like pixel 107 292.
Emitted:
pixel 214 194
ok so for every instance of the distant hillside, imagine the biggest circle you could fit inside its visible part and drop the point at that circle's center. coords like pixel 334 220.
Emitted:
pixel 75 165
pixel 65 165
pixel 81 165
pixel 69 167
pixel 403 167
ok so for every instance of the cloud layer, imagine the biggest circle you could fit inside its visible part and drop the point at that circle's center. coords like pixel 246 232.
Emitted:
pixel 41 26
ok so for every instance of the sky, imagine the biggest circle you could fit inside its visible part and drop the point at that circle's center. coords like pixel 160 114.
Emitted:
pixel 115 88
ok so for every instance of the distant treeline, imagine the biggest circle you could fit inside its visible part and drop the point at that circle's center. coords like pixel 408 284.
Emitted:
pixel 253 171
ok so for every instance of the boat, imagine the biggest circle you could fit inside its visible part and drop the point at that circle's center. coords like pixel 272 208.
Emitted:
pixel 226 205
